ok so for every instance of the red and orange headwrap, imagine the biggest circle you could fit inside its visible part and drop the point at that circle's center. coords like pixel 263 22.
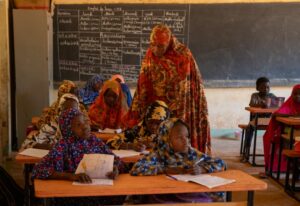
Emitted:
pixel 161 34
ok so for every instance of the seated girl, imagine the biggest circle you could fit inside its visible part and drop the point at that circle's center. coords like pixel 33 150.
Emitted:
pixel 143 135
pixel 49 133
pixel 291 107
pixel 90 92
pixel 173 154
pixel 119 78
pixel 109 108
pixel 258 99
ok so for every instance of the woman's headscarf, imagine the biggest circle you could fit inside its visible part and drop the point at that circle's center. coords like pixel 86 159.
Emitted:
pixel 118 76
pixel 104 116
pixel 274 129
pixel 163 156
pixel 65 125
pixel 158 110
pixel 87 94
pixel 51 115
pixel 65 97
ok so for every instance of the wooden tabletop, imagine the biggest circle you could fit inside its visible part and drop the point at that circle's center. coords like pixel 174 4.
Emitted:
pixel 104 136
pixel 292 121
pixel 137 185
pixel 257 110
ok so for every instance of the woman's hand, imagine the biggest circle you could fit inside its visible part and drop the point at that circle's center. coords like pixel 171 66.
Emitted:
pixel 113 174
pixel 81 177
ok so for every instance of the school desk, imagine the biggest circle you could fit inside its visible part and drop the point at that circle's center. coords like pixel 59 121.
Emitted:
pixel 145 185
pixel 292 123
pixel 258 126
pixel 104 136
pixel 29 162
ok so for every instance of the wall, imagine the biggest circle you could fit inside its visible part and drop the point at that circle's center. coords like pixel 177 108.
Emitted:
pixel 4 80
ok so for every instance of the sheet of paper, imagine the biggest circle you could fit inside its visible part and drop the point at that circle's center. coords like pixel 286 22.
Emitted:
pixel 205 180
pixel 97 182
pixel 96 165
pixel 35 152
pixel 125 153
pixel 110 131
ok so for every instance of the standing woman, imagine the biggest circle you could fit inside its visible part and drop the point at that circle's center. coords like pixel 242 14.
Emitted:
pixel 169 73
pixel 109 108
pixel 90 92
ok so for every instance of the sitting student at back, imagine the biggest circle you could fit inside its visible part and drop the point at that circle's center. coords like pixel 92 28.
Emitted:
pixel 263 99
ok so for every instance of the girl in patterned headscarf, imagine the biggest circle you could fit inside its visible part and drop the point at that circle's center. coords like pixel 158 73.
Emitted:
pixel 170 73
pixel 63 159
pixel 90 92
pixel 49 134
pixel 145 133
pixel 124 87
pixel 109 108
pixel 173 154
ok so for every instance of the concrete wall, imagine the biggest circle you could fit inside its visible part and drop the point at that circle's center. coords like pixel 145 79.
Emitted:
pixel 4 80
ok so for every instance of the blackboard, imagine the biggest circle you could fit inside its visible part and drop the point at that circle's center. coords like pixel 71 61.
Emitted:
pixel 233 44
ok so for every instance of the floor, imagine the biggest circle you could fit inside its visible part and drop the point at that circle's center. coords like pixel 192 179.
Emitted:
pixel 227 149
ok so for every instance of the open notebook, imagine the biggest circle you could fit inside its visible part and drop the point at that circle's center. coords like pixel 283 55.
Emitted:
pixel 110 131
pixel 204 179
pixel 34 152
pixel 96 166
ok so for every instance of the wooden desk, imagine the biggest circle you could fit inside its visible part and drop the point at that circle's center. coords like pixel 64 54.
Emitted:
pixel 141 185
pixel 291 122
pixel 256 111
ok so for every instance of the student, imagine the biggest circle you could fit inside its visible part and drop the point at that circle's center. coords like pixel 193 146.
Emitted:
pixel 258 99
pixel 291 107
pixel 109 108
pixel 119 78
pixel 143 135
pixel 63 159
pixel 90 92
pixel 174 155
pixel 49 133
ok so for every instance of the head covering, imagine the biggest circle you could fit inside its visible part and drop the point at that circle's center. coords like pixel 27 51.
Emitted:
pixel 161 34
pixel 65 87
pixel 273 132
pixel 64 98
pixel 118 76
pixel 65 120
pixel 87 94
pixel 163 156
pixel 104 116
pixel 158 110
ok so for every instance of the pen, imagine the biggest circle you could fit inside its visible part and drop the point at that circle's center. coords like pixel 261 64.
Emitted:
pixel 198 161
pixel 174 178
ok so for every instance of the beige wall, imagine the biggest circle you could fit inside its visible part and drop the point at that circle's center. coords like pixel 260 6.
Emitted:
pixel 4 80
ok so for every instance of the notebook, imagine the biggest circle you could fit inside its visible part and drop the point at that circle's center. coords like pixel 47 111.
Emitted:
pixel 110 131
pixel 34 152
pixel 204 179
pixel 96 166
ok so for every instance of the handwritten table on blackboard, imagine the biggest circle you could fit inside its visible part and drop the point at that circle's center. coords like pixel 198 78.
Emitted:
pixel 233 44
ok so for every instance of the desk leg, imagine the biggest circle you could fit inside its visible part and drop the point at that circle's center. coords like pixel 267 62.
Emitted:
pixel 250 197
pixel 287 175
pixel 279 158
pixel 27 169
pixel 47 202
pixel 254 143
pixel 228 196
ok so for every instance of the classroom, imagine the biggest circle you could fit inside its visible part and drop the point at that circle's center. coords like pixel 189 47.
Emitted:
pixel 233 42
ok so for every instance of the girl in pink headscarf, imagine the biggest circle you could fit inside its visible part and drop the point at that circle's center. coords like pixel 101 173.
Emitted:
pixel 289 108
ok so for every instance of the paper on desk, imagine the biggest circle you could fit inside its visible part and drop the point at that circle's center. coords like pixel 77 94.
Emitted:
pixel 96 165
pixel 205 180
pixel 128 153
pixel 34 152
pixel 110 131
pixel 97 182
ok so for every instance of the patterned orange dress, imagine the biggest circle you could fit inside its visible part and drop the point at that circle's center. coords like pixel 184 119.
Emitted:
pixel 175 79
